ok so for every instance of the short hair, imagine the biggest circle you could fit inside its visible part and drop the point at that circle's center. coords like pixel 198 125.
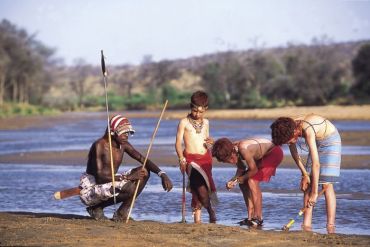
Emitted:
pixel 222 149
pixel 199 98
pixel 282 130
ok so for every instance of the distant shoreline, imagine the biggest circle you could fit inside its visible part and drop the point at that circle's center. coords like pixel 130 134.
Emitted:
pixel 354 112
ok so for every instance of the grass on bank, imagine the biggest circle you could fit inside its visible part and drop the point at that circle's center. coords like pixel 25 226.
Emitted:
pixel 21 109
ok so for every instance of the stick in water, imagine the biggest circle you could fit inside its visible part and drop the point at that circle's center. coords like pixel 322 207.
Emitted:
pixel 291 222
pixel 183 220
pixel 146 158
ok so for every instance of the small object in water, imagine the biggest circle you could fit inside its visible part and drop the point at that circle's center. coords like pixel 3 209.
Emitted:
pixel 245 222
pixel 287 226
pixel 257 222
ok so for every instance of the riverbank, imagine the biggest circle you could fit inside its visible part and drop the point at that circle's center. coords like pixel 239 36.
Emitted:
pixel 360 112
pixel 35 229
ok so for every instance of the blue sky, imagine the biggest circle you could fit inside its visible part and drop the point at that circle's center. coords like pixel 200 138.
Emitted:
pixel 168 29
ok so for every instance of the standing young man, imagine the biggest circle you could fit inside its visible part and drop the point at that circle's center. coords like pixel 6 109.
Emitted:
pixel 195 158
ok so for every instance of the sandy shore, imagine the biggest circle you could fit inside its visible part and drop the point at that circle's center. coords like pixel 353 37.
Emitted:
pixel 32 229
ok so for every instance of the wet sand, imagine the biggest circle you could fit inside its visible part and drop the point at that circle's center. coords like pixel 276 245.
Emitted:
pixel 42 229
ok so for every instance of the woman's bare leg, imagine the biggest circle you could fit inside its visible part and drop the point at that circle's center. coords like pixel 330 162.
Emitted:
pixel 331 204
pixel 307 216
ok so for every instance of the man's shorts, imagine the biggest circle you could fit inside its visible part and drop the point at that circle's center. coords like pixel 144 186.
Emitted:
pixel 92 194
pixel 268 165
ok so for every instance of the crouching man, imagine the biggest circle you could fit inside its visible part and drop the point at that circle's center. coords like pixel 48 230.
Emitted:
pixel 96 182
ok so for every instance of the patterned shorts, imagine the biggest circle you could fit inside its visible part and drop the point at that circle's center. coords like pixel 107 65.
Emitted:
pixel 92 194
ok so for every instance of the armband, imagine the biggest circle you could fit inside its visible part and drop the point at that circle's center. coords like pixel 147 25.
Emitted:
pixel 305 174
pixel 183 159
pixel 160 173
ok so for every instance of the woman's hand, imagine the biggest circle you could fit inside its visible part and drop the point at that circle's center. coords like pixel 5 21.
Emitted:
pixel 231 184
pixel 305 182
pixel 312 199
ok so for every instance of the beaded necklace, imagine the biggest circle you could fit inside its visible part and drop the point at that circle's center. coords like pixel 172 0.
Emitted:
pixel 197 125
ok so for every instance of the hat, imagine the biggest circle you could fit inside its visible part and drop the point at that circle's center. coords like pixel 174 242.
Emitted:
pixel 120 125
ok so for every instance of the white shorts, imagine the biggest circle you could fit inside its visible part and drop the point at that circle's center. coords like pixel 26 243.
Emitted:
pixel 92 194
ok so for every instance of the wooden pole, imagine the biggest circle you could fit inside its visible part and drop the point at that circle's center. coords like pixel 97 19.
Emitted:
pixel 146 158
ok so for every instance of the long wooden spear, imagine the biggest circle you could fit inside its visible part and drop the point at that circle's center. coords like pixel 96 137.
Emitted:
pixel 105 75
pixel 146 158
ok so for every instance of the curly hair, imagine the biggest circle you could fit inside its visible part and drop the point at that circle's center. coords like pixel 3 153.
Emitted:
pixel 282 130
pixel 222 149
pixel 199 98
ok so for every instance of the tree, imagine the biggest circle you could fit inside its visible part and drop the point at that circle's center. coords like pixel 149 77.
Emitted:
pixel 361 71
pixel 22 64
pixel 78 79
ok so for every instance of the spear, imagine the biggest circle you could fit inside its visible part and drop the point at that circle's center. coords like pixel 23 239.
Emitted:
pixel 105 75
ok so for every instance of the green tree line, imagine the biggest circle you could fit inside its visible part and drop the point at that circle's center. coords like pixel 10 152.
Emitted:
pixel 317 74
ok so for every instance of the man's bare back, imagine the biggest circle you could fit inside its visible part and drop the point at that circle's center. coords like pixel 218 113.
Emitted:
pixel 256 147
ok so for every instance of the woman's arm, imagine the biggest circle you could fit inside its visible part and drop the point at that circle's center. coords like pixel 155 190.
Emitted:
pixel 311 142
pixel 305 181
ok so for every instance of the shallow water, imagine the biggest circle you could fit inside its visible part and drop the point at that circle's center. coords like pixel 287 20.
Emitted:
pixel 30 188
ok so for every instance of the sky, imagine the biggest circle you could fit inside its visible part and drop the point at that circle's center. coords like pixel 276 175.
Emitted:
pixel 128 30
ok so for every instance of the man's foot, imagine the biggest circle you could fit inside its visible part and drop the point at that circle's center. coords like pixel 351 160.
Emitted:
pixel 257 222
pixel 118 217
pixel 197 216
pixel 96 213
pixel 245 222
pixel 212 219
pixel 330 228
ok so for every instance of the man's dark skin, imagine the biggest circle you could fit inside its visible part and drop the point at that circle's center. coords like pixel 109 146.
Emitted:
pixel 99 166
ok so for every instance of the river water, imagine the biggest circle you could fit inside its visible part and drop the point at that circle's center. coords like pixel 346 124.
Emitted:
pixel 30 187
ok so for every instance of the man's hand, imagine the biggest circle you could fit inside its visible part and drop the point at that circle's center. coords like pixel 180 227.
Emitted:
pixel 166 182
pixel 305 182
pixel 240 180
pixel 182 163
pixel 208 142
pixel 138 174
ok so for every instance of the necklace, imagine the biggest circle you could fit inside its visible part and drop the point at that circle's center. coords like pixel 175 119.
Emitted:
pixel 197 125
